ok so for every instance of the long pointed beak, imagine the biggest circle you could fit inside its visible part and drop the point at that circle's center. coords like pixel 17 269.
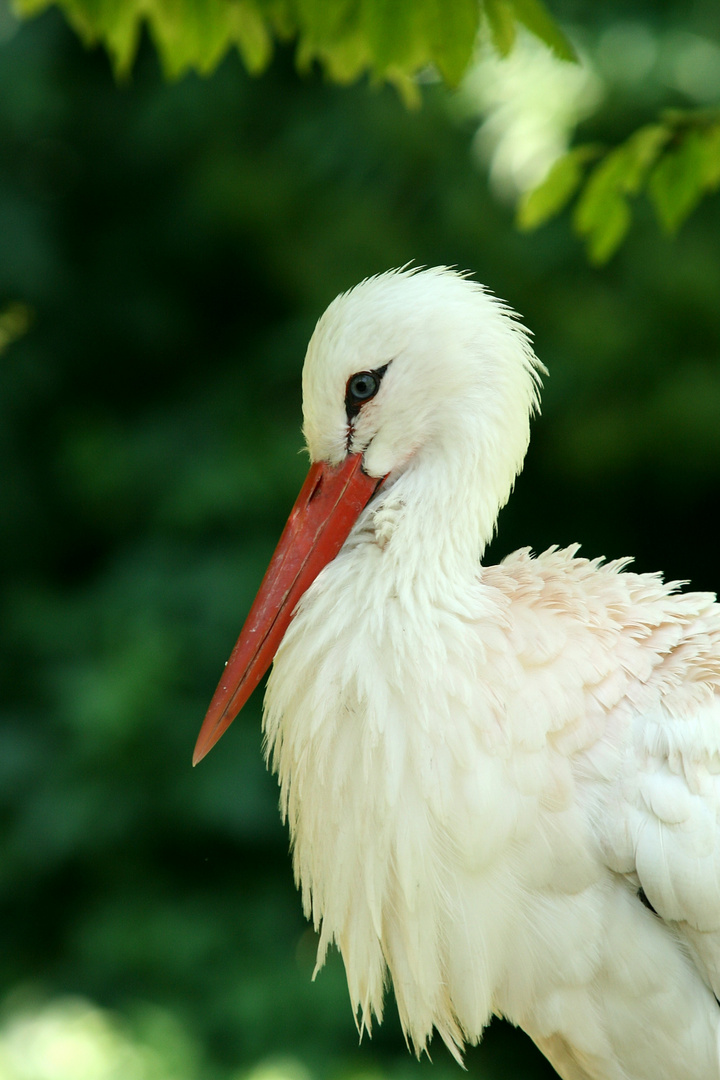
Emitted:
pixel 329 504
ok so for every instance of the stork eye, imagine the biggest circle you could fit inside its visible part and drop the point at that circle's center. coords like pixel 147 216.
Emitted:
pixel 361 387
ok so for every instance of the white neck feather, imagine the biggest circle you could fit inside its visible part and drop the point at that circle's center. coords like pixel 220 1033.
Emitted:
pixel 363 735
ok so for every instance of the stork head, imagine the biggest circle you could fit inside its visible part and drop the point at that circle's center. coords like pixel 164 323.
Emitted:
pixel 409 366
pixel 408 360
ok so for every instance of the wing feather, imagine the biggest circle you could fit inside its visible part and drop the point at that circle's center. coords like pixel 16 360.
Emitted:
pixel 647 755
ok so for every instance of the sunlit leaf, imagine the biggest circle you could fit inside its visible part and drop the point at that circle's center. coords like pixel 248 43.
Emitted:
pixel 639 153
pixel 190 33
pixel 534 15
pixel 711 157
pixel 121 26
pixel 344 60
pixel 608 231
pixel 251 35
pixel 406 86
pixel 116 25
pixel 500 15
pixel 676 161
pixel 325 23
pixel 677 182
pixel 387 39
pixel 551 196
pixel 604 183
pixel 394 33
pixel 452 29
pixel 602 214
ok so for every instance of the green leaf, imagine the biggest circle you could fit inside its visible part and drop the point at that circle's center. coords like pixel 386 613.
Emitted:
pixel 639 153
pixel 534 15
pixel 188 33
pixel 114 23
pixel 324 22
pixel 407 87
pixel 389 39
pixel 500 15
pixel 676 184
pixel 609 230
pixel 451 28
pixel 251 34
pixel 605 181
pixel 553 194
pixel 602 214
pixel 711 157
pixel 344 59
pixel 676 159
pixel 394 34
pixel 689 169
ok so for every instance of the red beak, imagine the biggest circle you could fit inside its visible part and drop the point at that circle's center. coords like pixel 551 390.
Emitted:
pixel 329 504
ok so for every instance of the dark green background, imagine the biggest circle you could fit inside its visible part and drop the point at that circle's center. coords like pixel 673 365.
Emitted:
pixel 175 244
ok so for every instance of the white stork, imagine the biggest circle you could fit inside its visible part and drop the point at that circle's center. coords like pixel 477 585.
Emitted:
pixel 502 782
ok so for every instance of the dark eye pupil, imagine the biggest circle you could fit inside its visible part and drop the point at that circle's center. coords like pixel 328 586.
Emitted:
pixel 363 386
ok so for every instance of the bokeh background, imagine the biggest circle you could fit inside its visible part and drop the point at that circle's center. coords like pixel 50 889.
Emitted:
pixel 165 250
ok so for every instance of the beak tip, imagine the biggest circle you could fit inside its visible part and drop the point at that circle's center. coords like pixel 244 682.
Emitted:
pixel 218 720
pixel 206 741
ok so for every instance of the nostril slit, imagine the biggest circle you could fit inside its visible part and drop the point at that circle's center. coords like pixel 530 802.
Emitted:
pixel 315 490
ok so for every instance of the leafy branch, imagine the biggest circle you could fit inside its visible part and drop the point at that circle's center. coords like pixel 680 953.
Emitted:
pixel 390 40
pixel 675 162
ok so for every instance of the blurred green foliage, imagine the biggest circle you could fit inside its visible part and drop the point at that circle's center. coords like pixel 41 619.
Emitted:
pixel 166 249
pixel 349 38
pixel 676 160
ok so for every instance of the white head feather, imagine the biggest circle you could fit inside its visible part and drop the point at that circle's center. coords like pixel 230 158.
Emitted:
pixel 461 385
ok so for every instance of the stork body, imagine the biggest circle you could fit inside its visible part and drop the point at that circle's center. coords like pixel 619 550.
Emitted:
pixel 502 782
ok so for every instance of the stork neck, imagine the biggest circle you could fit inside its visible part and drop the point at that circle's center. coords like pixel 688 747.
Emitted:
pixel 436 520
